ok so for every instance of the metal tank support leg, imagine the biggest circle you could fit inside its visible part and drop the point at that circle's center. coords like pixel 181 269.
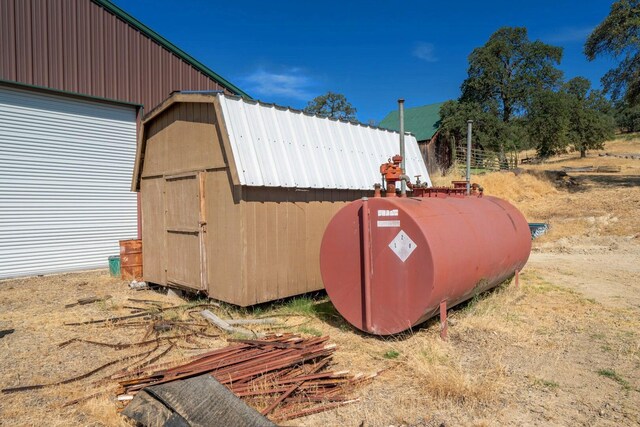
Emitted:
pixel 443 320
pixel 517 279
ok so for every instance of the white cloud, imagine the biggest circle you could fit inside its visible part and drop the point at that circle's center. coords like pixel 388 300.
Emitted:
pixel 425 51
pixel 290 83
pixel 569 35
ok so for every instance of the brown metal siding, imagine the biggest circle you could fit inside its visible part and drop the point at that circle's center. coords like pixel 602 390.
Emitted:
pixel 154 256
pixel 225 245
pixel 281 231
pixel 77 46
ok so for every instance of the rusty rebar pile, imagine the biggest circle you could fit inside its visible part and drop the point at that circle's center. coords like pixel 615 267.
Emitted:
pixel 282 375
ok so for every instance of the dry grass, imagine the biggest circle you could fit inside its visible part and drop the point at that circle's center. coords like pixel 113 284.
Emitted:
pixel 34 307
pixel 437 365
pixel 524 190
pixel 505 346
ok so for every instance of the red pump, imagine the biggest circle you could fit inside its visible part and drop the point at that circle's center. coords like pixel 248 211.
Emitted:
pixel 391 173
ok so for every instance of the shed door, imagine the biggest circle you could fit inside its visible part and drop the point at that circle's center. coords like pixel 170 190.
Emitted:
pixel 65 178
pixel 184 219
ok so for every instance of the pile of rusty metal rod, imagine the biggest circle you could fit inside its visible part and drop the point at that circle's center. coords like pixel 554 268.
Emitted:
pixel 282 376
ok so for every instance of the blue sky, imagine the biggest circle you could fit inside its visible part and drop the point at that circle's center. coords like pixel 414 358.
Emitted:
pixel 374 52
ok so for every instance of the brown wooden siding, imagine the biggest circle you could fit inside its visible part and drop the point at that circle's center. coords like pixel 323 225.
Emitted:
pixel 428 151
pixel 78 46
pixel 182 212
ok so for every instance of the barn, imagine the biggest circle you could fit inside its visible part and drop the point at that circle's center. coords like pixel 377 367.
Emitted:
pixel 236 194
pixel 424 122
pixel 76 76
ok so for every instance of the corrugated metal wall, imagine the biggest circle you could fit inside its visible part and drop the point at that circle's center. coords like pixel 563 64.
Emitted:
pixel 65 173
pixel 78 46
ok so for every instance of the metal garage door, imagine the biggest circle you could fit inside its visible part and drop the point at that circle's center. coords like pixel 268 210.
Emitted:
pixel 65 174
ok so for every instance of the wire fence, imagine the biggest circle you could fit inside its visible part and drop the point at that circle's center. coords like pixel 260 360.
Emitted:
pixel 486 160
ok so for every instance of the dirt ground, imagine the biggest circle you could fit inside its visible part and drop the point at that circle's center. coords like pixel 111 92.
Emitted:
pixel 561 349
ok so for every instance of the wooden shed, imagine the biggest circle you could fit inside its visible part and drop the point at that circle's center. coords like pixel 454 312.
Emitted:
pixel 236 194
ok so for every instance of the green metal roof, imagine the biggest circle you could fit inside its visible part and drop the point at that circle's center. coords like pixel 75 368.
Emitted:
pixel 420 121
pixel 170 46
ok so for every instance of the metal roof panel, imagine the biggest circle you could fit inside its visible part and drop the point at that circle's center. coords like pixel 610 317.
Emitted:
pixel 421 121
pixel 279 147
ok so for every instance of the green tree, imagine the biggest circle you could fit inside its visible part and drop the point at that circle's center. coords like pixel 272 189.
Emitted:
pixel 619 36
pixel 589 125
pixel 508 70
pixel 598 101
pixel 453 124
pixel 548 122
pixel 332 105
pixel 504 76
pixel 627 117
pixel 578 87
pixel 574 117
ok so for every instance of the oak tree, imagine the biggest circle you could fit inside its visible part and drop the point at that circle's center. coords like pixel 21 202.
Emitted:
pixel 508 70
pixel 619 36
pixel 574 118
pixel 332 105
pixel 504 76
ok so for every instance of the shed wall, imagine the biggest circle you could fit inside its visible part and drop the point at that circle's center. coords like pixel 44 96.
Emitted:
pixel 429 154
pixel 225 240
pixel 79 46
pixel 154 255
pixel 182 139
pixel 283 230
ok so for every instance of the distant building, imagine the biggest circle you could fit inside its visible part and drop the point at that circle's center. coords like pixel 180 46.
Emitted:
pixel 423 122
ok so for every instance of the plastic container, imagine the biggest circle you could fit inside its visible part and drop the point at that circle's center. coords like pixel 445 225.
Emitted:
pixel 114 266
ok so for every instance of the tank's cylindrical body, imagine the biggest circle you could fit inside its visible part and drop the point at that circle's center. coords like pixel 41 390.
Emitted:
pixel 388 263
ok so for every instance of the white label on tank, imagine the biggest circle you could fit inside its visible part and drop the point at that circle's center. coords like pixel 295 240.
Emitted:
pixel 387 212
pixel 403 246
pixel 387 223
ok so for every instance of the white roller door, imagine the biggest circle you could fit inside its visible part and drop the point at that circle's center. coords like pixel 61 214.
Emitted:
pixel 65 174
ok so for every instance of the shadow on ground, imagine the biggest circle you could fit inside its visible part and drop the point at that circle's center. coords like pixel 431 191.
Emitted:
pixel 602 180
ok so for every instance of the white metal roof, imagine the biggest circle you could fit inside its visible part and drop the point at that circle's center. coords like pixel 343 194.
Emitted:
pixel 279 147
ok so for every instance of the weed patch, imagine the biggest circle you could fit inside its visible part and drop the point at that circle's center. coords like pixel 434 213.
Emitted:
pixel 391 354
pixel 546 383
pixel 613 375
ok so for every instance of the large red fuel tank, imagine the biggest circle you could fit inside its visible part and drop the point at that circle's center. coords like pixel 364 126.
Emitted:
pixel 388 263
